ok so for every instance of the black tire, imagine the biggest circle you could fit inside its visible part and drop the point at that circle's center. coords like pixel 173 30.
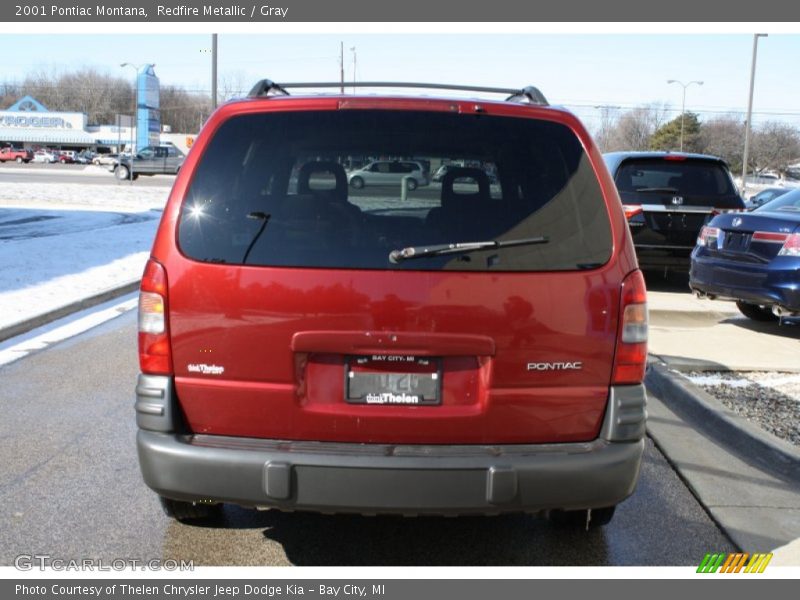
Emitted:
pixel 357 183
pixel 577 518
pixel 190 511
pixel 121 172
pixel 756 312
pixel 411 184
pixel 19 160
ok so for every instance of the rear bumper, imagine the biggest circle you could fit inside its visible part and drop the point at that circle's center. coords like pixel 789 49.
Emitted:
pixel 400 479
pixel 752 283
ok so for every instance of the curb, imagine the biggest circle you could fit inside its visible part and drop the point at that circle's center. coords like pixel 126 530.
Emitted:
pixel 58 313
pixel 721 423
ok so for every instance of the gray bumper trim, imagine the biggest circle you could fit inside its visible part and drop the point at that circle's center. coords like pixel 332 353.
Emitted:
pixel 384 478
pixel 368 479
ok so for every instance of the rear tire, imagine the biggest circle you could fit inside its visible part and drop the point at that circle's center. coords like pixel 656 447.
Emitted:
pixel 577 518
pixel 756 312
pixel 19 160
pixel 190 511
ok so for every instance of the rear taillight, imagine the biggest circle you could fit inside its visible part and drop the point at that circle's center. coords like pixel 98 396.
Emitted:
pixel 708 237
pixel 630 359
pixel 631 210
pixel 155 356
pixel 791 247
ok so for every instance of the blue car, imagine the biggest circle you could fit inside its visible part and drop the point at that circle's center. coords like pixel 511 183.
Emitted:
pixel 753 259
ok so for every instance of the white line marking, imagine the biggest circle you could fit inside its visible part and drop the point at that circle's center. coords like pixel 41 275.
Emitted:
pixel 70 326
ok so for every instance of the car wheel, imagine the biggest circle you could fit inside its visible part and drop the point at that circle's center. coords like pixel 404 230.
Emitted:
pixel 19 160
pixel 756 312
pixel 190 511
pixel 357 183
pixel 121 171
pixel 411 184
pixel 600 517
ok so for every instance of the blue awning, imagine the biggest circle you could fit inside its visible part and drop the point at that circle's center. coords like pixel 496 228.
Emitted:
pixel 46 136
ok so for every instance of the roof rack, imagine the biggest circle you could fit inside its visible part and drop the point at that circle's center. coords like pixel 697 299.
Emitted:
pixel 529 94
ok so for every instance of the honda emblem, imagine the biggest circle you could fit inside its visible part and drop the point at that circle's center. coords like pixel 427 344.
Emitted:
pixel 736 221
pixel 677 200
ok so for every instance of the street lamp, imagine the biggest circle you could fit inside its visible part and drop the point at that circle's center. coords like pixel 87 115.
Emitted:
pixel 745 156
pixel 683 105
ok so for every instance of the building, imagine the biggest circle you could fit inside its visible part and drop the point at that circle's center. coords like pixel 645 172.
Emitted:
pixel 29 124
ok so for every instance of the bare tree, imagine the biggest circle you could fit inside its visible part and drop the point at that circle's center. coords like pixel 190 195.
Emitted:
pixel 608 122
pixel 724 137
pixel 634 128
pixel 775 146
pixel 233 84
pixel 86 90
pixel 183 111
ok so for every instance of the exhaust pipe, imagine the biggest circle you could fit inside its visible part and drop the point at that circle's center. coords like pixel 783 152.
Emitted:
pixel 781 311
pixel 703 295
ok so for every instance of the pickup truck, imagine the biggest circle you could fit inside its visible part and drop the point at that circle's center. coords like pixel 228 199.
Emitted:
pixel 152 160
pixel 17 155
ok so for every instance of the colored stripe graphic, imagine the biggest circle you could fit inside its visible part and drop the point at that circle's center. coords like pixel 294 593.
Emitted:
pixel 758 563
pixel 734 562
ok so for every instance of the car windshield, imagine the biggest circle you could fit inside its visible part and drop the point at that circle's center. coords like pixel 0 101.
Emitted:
pixel 696 180
pixel 789 201
pixel 290 189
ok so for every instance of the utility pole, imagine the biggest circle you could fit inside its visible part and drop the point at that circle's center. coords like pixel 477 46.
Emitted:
pixel 746 156
pixel 341 67
pixel 353 50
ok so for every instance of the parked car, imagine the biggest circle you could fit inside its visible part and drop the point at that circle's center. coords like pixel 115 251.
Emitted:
pixel 668 197
pixel 389 172
pixel 44 156
pixel 439 174
pixel 309 345
pixel 17 155
pixel 152 160
pixel 752 259
pixel 65 156
pixel 109 160
pixel 84 157
pixel 764 196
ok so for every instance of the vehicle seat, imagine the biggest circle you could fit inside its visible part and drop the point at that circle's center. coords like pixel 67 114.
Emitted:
pixel 462 214
pixel 337 196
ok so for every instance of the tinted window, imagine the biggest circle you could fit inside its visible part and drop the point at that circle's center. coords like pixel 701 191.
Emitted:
pixel 271 189
pixel 695 179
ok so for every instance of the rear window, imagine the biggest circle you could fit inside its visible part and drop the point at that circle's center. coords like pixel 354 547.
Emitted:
pixel 788 202
pixel 289 189
pixel 696 180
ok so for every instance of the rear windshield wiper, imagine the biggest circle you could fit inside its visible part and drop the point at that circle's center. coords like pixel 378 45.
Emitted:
pixel 397 256
pixel 258 216
pixel 670 190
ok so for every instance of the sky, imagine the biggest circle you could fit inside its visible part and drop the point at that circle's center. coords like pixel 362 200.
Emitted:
pixel 581 71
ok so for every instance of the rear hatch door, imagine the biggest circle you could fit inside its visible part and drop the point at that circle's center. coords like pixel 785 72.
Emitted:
pixel 289 319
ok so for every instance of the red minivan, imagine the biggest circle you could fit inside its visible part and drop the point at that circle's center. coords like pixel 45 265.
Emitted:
pixel 474 346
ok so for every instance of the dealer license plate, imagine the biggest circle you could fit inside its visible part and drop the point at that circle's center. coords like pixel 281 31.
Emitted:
pixel 393 379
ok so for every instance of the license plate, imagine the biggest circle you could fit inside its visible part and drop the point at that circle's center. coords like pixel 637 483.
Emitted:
pixel 393 379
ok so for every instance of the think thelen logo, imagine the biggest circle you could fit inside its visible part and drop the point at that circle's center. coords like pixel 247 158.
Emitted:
pixel 740 562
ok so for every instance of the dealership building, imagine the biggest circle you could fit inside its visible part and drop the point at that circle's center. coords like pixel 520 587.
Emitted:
pixel 29 124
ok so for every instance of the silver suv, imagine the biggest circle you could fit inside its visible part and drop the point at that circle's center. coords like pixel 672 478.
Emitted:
pixel 389 172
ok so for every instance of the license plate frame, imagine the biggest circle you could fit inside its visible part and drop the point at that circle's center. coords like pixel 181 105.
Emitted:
pixel 393 380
